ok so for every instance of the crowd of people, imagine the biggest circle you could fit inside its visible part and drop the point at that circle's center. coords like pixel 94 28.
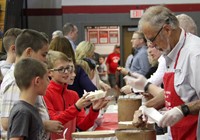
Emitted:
pixel 56 69
pixel 45 82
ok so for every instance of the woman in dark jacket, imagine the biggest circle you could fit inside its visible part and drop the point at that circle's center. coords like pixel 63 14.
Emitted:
pixel 82 81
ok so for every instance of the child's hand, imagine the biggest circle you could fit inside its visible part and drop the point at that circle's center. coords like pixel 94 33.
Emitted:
pixel 99 104
pixel 53 126
pixel 83 102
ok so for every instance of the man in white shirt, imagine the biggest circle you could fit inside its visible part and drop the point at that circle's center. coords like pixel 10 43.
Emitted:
pixel 181 81
pixel 9 46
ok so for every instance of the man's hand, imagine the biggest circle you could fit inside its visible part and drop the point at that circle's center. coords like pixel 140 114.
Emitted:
pixel 148 96
pixel 137 81
pixel 126 89
pixel 171 117
pixel 139 118
pixel 144 117
pixel 53 126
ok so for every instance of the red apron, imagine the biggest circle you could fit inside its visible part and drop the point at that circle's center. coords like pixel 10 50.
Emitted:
pixel 186 128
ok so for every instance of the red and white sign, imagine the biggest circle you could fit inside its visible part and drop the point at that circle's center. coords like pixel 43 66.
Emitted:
pixel 136 13
pixel 103 37
pixel 93 37
pixel 113 37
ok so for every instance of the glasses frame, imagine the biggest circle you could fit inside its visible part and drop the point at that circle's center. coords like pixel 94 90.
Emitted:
pixel 69 69
pixel 154 38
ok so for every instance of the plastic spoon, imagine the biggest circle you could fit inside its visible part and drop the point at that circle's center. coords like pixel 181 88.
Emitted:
pixel 65 131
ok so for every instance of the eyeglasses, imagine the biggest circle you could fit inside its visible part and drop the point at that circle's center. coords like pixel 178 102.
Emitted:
pixel 154 38
pixel 69 69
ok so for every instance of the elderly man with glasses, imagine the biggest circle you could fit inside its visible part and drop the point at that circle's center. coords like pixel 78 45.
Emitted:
pixel 181 80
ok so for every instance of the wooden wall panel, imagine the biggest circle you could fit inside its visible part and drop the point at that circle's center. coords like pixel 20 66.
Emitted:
pixel 2 18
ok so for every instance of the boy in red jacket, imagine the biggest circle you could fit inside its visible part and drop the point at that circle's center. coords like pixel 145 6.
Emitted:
pixel 63 104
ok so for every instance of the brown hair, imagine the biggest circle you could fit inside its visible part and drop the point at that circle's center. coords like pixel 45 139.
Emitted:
pixel 67 28
pixel 63 45
pixel 27 69
pixel 30 38
pixel 10 37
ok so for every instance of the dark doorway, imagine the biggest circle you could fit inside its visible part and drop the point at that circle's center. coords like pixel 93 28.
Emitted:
pixel 127 35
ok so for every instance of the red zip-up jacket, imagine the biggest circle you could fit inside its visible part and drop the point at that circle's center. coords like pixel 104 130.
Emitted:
pixel 60 103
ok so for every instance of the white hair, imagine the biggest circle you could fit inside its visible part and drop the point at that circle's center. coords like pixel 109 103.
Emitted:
pixel 156 16
pixel 57 33
pixel 187 23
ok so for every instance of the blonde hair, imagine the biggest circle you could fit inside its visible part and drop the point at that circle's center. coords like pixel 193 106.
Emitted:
pixel 152 62
pixel 53 56
pixel 86 67
pixel 85 49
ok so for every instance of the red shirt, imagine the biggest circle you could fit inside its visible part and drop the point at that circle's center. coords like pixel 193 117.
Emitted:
pixel 112 61
pixel 60 103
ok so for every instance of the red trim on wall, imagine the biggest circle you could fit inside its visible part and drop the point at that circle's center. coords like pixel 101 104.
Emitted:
pixel 126 8
pixel 100 9
pixel 106 9
pixel 43 12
